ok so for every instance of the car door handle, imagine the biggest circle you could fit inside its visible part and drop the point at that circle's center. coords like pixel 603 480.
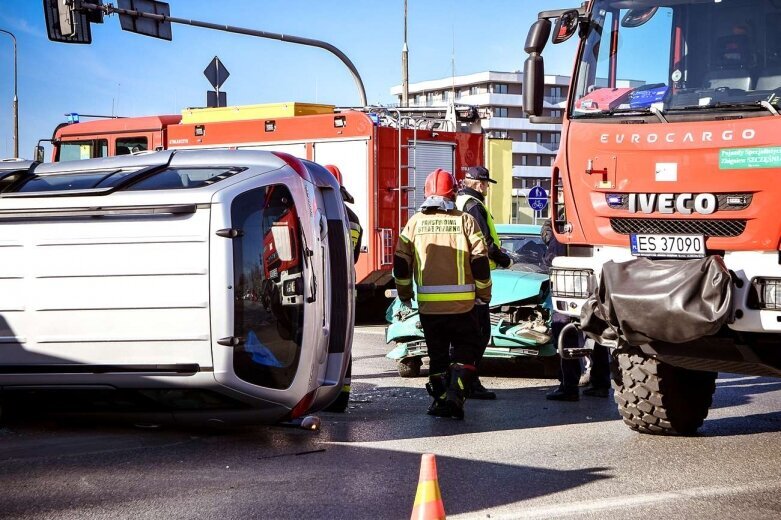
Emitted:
pixel 231 341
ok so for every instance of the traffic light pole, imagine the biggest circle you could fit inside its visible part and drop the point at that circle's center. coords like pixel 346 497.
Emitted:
pixel 110 9
pixel 16 98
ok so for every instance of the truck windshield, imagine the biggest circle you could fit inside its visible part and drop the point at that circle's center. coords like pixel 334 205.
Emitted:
pixel 673 55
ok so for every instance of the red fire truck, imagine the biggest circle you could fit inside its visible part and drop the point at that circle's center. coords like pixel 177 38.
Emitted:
pixel 667 196
pixel 384 154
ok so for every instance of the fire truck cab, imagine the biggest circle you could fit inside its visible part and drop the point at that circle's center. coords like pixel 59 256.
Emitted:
pixel 670 157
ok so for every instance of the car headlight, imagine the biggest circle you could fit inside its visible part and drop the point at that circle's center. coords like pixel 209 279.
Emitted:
pixel 571 283
pixel 767 294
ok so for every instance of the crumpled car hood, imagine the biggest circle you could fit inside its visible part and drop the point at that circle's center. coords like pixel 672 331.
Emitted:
pixel 511 286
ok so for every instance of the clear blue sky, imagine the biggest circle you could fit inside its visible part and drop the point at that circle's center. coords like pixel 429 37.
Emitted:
pixel 137 75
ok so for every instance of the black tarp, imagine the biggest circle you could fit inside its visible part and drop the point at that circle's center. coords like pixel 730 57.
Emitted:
pixel 644 300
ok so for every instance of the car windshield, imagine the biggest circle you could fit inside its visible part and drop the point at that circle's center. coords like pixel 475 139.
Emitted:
pixel 674 55
pixel 526 251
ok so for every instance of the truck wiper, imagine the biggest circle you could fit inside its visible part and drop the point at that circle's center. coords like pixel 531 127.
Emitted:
pixel 748 105
pixel 621 111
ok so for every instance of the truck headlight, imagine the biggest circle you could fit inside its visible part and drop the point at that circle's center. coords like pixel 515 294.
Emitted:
pixel 571 283
pixel 766 294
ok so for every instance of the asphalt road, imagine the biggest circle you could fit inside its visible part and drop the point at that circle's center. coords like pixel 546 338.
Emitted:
pixel 518 457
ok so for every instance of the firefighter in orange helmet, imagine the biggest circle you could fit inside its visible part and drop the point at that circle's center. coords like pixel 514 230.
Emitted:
pixel 356 231
pixel 444 252
pixel 356 235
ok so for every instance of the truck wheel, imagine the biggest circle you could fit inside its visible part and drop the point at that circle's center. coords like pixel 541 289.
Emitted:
pixel 657 398
pixel 410 367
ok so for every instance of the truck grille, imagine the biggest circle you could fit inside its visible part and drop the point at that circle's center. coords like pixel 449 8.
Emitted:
pixel 724 201
pixel 707 227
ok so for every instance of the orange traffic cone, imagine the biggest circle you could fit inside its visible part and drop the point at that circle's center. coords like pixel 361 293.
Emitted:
pixel 428 499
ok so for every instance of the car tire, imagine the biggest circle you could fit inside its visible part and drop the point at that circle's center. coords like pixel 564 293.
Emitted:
pixel 657 398
pixel 409 367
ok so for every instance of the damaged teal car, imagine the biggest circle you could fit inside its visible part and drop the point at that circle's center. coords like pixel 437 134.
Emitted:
pixel 520 307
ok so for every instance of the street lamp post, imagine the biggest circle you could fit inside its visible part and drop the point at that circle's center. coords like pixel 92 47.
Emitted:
pixel 16 99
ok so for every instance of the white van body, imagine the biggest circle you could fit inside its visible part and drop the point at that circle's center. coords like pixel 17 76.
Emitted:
pixel 141 289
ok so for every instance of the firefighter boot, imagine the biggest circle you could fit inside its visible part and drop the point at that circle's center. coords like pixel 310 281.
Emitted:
pixel 437 388
pixel 460 379
pixel 478 391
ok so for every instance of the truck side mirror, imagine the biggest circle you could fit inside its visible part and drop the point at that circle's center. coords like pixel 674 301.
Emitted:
pixel 566 25
pixel 38 154
pixel 538 36
pixel 533 84
pixel 282 241
pixel 533 68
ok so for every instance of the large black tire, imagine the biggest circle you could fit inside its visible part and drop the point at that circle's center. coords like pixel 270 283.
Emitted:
pixel 657 398
pixel 409 367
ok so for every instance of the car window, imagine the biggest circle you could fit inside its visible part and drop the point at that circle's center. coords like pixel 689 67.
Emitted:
pixel 525 249
pixel 268 287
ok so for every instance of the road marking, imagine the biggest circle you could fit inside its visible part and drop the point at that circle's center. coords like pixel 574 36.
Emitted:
pixel 592 506
pixel 370 330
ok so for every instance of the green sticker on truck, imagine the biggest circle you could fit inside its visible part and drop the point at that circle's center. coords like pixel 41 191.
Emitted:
pixel 749 158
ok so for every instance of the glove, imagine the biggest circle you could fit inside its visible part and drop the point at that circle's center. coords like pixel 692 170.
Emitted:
pixel 405 309
pixel 509 259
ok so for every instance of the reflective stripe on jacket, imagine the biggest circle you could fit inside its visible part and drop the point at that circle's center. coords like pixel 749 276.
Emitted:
pixel 461 201
pixel 356 232
pixel 439 251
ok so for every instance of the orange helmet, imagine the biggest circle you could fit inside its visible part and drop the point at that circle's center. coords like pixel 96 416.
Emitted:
pixel 440 183
pixel 335 171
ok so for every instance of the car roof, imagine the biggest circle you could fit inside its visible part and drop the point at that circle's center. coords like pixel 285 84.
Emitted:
pixel 518 229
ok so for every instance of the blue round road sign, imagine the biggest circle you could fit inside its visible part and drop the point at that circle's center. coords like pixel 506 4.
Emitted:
pixel 538 198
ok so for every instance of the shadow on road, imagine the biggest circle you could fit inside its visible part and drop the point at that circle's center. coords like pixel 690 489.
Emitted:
pixel 251 473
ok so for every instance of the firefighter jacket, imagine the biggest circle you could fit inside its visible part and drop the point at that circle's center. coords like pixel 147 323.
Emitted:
pixel 444 252
pixel 473 202
pixel 356 233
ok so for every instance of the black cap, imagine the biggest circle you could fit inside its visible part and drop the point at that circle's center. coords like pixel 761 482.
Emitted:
pixel 479 173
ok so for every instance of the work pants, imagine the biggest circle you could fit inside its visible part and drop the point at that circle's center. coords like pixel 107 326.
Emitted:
pixel 443 331
pixel 571 369
pixel 484 319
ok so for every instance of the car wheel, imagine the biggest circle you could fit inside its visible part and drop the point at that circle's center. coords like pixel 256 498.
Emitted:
pixel 658 398
pixel 410 367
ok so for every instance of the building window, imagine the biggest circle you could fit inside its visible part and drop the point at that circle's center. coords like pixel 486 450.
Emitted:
pixel 555 92
pixel 500 111
pixel 500 88
pixel 419 99
pixel 499 134
pixel 524 160
pixel 555 113
pixel 539 137
pixel 524 137
pixel 473 90
pixel 555 138
pixel 429 99
pixel 446 95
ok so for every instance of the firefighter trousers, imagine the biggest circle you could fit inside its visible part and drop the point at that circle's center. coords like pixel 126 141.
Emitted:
pixel 451 338
pixel 484 319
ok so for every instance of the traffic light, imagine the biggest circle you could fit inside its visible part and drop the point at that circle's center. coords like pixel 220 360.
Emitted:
pixel 67 21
